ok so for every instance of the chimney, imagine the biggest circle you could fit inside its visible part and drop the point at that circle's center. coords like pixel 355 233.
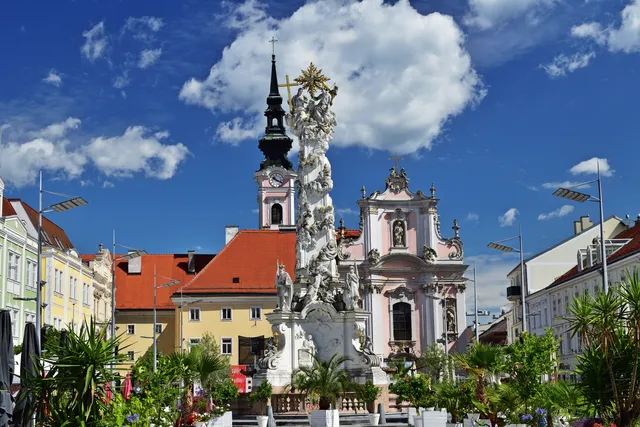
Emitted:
pixel 135 265
pixel 582 224
pixel 1 193
pixel 638 220
pixel 230 232
pixel 191 262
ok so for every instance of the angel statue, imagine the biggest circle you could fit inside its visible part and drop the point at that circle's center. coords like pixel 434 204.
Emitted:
pixel 351 289
pixel 284 286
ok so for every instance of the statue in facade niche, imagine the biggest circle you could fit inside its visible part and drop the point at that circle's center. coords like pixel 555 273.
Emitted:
pixel 451 320
pixel 352 289
pixel 284 286
pixel 398 234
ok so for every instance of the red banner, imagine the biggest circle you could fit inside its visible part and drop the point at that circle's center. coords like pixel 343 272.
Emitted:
pixel 238 378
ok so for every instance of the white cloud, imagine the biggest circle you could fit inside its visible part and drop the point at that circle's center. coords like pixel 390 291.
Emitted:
pixel 591 166
pixel 53 78
pixel 108 184
pixel 625 38
pixel 95 43
pixel 562 184
pixel 564 64
pixel 51 149
pixel 485 14
pixel 492 282
pixel 558 213
pixel 473 216
pixel 122 81
pixel 255 211
pixel 135 151
pixel 532 187
pixel 347 211
pixel 143 28
pixel 383 57
pixel 148 57
pixel 508 218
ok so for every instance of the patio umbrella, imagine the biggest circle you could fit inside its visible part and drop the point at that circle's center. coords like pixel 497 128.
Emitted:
pixel 28 369
pixel 126 390
pixel 7 364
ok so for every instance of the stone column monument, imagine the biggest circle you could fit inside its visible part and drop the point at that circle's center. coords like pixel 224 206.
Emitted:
pixel 322 317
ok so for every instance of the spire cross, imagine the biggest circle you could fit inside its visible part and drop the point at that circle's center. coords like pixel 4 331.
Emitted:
pixel 395 159
pixel 273 45
pixel 289 84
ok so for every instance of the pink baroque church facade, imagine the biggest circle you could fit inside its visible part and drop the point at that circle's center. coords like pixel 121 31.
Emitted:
pixel 411 278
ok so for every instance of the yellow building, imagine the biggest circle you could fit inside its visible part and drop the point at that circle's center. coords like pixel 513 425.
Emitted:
pixel 73 291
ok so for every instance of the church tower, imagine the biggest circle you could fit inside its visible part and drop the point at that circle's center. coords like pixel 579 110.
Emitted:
pixel 276 177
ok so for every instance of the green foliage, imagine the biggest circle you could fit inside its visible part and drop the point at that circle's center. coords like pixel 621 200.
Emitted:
pixel 17 349
pixel 482 362
pixel 433 362
pixel 368 392
pixel 262 393
pixel 414 389
pixel 456 397
pixel 527 360
pixel 224 391
pixel 136 411
pixel 52 339
pixel 560 398
pixel 325 379
pixel 210 348
pixel 609 325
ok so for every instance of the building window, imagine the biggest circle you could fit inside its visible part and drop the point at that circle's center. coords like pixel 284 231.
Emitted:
pixel 225 314
pixel 86 293
pixel 194 341
pixel 14 266
pixel 131 329
pixel 276 213
pixel 73 288
pixel 158 328
pixel 29 317
pixel 194 314
pixel 226 346
pixel 401 321
pixel 131 355
pixel 15 319
pixel 30 268
pixel 256 313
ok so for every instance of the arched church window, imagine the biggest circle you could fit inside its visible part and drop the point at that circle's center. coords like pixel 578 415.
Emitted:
pixel 402 321
pixel 276 213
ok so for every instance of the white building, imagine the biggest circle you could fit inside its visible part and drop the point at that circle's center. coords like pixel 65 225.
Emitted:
pixel 545 267
pixel 548 307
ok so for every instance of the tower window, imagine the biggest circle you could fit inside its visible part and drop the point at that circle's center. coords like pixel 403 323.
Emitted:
pixel 276 213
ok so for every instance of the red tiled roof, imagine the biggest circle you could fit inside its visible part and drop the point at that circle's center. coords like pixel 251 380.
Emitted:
pixel 52 235
pixel 348 234
pixel 135 291
pixel 87 258
pixel 630 248
pixel 251 257
pixel 7 209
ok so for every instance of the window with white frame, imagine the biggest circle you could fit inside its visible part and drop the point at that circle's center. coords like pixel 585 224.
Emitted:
pixel 226 346
pixel 30 267
pixel 194 315
pixel 131 355
pixel 14 266
pixel 225 314
pixel 56 282
pixel 158 328
pixel 131 329
pixel 194 341
pixel 73 288
pixel 15 319
pixel 255 313
pixel 86 294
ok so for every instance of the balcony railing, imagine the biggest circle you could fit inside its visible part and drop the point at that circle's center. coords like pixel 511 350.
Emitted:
pixel 514 292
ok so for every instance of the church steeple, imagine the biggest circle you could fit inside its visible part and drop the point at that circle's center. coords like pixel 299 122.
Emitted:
pixel 275 144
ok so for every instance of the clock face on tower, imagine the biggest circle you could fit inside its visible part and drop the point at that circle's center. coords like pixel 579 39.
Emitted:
pixel 276 179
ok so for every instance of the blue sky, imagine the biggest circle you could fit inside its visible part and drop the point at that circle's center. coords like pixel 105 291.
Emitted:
pixel 152 111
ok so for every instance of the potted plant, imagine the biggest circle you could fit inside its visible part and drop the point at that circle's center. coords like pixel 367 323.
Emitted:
pixel 223 391
pixel 368 393
pixel 416 391
pixel 456 398
pixel 326 380
pixel 262 394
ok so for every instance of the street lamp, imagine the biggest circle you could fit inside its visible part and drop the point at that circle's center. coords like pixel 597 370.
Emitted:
pixel 475 301
pixel 576 196
pixel 71 203
pixel 171 282
pixel 503 248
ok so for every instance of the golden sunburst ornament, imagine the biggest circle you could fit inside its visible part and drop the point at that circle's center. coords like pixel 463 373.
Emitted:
pixel 312 79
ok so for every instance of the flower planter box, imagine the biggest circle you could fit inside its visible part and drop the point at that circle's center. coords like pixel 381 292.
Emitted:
pixel 374 419
pixel 216 422
pixel 330 418
pixel 263 420
pixel 227 419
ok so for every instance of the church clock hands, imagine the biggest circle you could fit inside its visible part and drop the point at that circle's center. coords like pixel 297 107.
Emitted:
pixel 276 179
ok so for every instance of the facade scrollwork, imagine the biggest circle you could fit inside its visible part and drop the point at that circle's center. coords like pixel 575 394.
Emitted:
pixel 373 256
pixel 456 245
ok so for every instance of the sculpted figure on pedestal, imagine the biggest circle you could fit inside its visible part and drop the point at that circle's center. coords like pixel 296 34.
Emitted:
pixel 284 286
pixel 352 289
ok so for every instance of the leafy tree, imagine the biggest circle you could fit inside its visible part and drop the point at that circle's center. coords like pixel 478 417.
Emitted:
pixel 482 362
pixel 325 379
pixel 456 397
pixel 433 362
pixel 609 325
pixel 210 348
pixel 527 361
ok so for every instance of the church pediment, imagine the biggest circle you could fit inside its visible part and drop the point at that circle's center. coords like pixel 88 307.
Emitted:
pixel 400 261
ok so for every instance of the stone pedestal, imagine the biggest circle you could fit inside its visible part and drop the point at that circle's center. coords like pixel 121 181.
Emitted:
pixel 331 333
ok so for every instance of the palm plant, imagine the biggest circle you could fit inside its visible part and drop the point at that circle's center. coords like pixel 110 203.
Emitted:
pixel 609 325
pixel 482 362
pixel 325 379
pixel 559 398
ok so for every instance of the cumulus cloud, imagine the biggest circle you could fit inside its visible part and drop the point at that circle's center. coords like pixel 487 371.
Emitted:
pixel 143 28
pixel 624 38
pixel 591 167
pixel 565 64
pixel 491 275
pixel 95 43
pixel 53 78
pixel 508 218
pixel 136 151
pixel 562 184
pixel 148 57
pixel 486 14
pixel 384 58
pixel 122 80
pixel 558 213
